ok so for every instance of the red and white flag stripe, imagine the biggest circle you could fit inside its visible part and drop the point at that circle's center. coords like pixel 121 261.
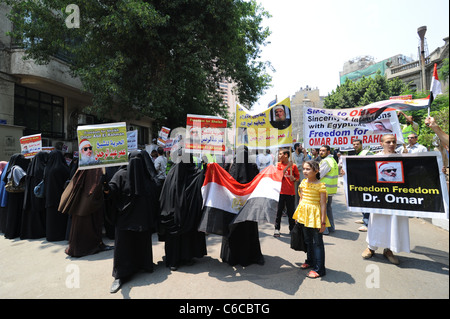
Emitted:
pixel 226 201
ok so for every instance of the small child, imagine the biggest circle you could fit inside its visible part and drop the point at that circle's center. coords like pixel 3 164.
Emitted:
pixel 312 213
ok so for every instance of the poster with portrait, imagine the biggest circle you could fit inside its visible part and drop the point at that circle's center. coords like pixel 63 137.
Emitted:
pixel 397 184
pixel 102 145
pixel 267 129
pixel 30 145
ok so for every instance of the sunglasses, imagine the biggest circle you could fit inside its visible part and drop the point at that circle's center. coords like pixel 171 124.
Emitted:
pixel 87 148
pixel 412 137
pixel 389 170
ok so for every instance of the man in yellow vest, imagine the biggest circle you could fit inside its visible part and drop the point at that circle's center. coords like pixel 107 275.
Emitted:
pixel 410 127
pixel 329 174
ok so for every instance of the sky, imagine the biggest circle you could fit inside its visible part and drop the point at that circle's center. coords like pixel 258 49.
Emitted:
pixel 311 40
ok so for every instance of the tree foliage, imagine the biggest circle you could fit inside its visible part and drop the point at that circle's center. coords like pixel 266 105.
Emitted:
pixel 160 58
pixel 365 91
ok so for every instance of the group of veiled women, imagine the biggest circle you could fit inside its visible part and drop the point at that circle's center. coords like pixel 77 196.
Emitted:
pixel 82 202
pixel 22 214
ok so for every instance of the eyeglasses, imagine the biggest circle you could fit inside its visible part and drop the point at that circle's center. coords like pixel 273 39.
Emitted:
pixel 389 170
pixel 412 137
pixel 87 148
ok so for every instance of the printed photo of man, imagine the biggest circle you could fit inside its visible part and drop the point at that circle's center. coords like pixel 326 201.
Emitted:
pixel 86 154
pixel 389 172
pixel 280 117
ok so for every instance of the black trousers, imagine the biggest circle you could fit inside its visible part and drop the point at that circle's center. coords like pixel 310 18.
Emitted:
pixel 287 201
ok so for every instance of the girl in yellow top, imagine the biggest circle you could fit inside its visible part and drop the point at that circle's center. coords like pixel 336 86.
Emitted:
pixel 312 214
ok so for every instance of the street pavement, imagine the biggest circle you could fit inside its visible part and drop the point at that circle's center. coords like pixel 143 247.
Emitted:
pixel 37 269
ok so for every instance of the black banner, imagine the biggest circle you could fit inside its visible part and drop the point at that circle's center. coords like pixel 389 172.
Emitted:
pixel 407 184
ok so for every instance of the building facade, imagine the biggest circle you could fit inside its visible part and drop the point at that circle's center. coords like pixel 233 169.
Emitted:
pixel 304 97
pixel 43 99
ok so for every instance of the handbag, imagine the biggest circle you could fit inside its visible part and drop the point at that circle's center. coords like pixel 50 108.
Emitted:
pixel 16 180
pixel 39 190
pixel 10 187
pixel 297 238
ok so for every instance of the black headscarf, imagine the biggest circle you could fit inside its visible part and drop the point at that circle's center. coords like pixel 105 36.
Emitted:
pixel 138 175
pixel 19 160
pixel 35 174
pixel 181 198
pixel 132 192
pixel 55 176
pixel 241 170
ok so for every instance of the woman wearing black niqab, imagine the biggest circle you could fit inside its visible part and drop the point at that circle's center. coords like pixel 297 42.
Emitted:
pixel 55 176
pixel 132 191
pixel 181 211
pixel 15 200
pixel 241 245
pixel 33 216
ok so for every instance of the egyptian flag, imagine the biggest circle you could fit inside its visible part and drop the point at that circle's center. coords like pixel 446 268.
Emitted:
pixel 435 88
pixel 226 201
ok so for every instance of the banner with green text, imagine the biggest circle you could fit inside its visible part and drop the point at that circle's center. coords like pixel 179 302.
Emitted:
pixel 102 145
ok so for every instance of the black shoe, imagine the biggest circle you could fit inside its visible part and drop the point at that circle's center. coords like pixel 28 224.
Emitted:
pixel 116 285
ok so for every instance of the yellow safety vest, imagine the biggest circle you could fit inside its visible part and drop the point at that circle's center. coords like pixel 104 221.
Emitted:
pixel 331 179
pixel 211 158
pixel 408 129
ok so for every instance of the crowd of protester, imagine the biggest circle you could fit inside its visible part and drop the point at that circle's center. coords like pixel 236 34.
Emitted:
pixel 158 193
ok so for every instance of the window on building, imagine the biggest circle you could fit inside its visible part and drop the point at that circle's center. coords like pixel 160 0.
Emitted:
pixel 39 112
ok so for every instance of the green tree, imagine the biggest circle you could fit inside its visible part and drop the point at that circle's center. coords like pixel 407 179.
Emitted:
pixel 363 92
pixel 160 58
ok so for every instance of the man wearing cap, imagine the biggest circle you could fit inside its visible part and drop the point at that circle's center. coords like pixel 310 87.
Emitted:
pixel 86 155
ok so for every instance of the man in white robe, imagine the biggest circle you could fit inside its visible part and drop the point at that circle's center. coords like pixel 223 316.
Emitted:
pixel 388 231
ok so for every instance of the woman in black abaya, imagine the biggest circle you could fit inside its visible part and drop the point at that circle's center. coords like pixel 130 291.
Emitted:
pixel 55 176
pixel 133 193
pixel 33 216
pixel 15 200
pixel 241 246
pixel 181 211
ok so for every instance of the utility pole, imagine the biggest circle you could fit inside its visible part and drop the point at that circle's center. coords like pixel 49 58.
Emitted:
pixel 421 31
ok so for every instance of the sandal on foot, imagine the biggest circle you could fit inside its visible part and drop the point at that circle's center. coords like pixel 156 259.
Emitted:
pixel 313 274
pixel 305 266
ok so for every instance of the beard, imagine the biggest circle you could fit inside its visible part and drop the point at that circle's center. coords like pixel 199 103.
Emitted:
pixel 87 160
pixel 389 178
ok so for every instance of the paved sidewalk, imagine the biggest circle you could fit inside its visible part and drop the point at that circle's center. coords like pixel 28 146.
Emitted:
pixel 36 269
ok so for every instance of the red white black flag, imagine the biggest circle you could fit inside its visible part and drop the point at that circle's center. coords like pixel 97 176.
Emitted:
pixel 226 201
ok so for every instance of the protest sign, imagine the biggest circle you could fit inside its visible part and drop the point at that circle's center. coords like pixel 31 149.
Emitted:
pixel 132 140
pixel 163 135
pixel 102 145
pixel 205 134
pixel 397 184
pixel 30 145
pixel 270 128
pixel 339 127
